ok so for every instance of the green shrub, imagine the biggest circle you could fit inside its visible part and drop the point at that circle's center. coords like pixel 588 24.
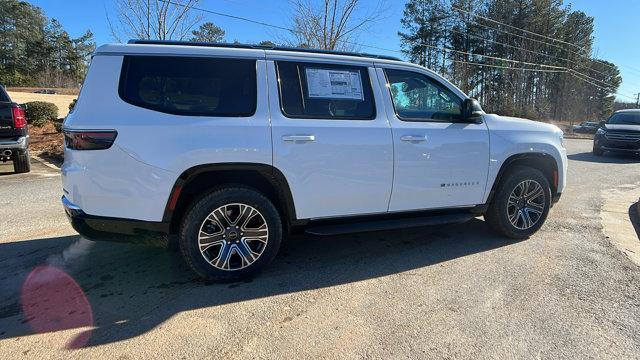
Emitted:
pixel 40 112
pixel 57 123
pixel 72 105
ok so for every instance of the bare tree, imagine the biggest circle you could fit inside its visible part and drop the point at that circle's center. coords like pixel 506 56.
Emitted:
pixel 154 19
pixel 331 24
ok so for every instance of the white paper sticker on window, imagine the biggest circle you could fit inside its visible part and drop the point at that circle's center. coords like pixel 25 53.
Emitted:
pixel 334 84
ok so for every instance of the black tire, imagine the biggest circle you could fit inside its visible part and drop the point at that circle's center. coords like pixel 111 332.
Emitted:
pixel 497 215
pixel 199 212
pixel 597 151
pixel 21 162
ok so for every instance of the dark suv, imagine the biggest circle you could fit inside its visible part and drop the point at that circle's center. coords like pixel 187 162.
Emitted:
pixel 620 133
pixel 14 136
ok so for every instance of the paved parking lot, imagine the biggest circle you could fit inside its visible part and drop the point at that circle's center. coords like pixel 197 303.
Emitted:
pixel 446 292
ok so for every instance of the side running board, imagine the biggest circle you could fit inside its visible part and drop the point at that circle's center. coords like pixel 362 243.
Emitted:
pixel 365 226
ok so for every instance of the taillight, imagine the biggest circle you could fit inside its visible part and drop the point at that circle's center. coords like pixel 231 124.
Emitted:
pixel 89 140
pixel 19 119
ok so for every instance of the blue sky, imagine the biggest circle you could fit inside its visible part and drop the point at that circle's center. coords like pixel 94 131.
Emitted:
pixel 616 24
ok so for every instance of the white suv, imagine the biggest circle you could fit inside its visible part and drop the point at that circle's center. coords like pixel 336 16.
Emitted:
pixel 231 147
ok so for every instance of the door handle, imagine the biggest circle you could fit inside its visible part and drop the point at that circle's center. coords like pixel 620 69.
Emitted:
pixel 413 138
pixel 299 138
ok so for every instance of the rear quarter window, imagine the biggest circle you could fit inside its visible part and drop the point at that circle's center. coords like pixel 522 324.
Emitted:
pixel 190 86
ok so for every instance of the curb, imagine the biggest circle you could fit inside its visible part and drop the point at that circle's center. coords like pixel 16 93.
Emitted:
pixel 617 222
pixel 45 162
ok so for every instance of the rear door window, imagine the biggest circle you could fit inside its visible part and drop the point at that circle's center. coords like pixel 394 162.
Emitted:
pixel 325 91
pixel 190 85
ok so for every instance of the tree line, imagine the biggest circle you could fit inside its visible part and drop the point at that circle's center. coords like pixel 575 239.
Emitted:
pixel 529 58
pixel 37 51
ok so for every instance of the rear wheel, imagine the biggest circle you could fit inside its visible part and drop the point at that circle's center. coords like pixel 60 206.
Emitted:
pixel 521 204
pixel 21 162
pixel 230 234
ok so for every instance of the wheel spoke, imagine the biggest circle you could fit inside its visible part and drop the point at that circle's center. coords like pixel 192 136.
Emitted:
pixel 526 218
pixel 513 200
pixel 246 214
pixel 248 256
pixel 261 231
pixel 538 208
pixel 206 246
pixel 535 193
pixel 222 260
pixel 220 216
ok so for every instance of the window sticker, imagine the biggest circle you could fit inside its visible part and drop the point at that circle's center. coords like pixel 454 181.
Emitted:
pixel 334 84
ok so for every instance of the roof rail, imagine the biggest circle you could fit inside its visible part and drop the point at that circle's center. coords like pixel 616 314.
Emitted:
pixel 263 47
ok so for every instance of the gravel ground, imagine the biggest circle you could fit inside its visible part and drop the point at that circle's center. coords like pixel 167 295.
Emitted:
pixel 447 292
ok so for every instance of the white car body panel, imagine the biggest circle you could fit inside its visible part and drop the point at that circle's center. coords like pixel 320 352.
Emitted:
pixel 351 168
pixel 513 136
pixel 169 143
pixel 449 169
pixel 346 170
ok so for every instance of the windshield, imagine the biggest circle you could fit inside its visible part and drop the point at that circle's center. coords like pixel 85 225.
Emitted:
pixel 624 119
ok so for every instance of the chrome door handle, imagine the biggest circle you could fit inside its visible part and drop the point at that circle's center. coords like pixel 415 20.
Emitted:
pixel 298 138
pixel 413 138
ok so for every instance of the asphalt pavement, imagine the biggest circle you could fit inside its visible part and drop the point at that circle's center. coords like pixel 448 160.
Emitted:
pixel 454 291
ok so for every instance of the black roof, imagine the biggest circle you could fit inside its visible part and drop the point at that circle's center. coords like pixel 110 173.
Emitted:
pixel 263 47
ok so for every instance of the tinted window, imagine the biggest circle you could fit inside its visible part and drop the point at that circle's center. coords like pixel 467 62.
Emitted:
pixel 3 95
pixel 624 119
pixel 416 97
pixel 190 86
pixel 322 91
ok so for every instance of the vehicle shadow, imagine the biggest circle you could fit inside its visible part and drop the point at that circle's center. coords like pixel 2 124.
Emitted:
pixel 607 158
pixel 133 288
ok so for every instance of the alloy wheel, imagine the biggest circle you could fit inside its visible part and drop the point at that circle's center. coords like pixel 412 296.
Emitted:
pixel 233 236
pixel 525 205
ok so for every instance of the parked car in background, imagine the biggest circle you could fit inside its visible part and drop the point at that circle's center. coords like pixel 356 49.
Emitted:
pixel 587 127
pixel 620 133
pixel 14 135
pixel 45 91
pixel 230 148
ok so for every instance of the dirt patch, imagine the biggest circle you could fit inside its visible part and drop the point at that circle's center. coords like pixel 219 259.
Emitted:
pixel 61 101
pixel 47 143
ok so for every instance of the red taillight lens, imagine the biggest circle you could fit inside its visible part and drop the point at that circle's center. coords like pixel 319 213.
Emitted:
pixel 19 119
pixel 89 140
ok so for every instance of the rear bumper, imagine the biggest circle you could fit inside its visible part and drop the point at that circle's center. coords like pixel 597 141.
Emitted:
pixel 21 143
pixel 100 228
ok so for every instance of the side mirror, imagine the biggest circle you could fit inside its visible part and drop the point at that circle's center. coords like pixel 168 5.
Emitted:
pixel 602 123
pixel 472 111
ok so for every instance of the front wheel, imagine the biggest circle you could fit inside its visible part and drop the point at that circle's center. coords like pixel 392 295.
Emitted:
pixel 230 234
pixel 521 204
pixel 597 151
